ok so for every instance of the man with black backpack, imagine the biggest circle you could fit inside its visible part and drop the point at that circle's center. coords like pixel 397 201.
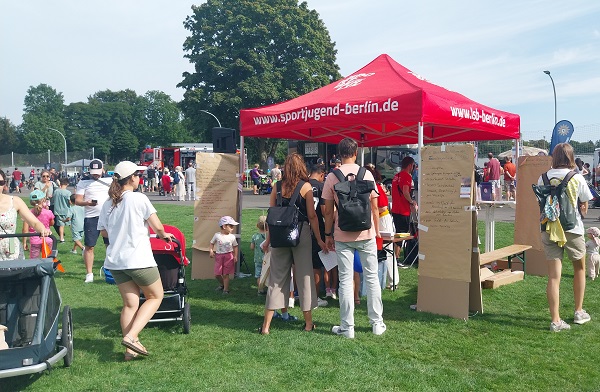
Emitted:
pixel 352 189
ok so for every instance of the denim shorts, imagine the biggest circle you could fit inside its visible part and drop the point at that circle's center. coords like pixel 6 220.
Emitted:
pixel 91 232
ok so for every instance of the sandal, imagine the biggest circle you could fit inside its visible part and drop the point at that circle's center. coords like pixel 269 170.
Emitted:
pixel 261 332
pixel 134 345
pixel 308 330
pixel 130 356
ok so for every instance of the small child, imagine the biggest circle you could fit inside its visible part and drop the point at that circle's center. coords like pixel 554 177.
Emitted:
pixel 225 252
pixel 75 216
pixel 37 199
pixel 592 247
pixel 257 239
pixel 60 200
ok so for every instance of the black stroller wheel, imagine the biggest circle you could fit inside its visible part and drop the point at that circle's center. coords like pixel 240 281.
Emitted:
pixel 187 318
pixel 67 335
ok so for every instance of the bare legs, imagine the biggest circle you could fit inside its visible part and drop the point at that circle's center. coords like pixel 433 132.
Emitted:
pixel 553 287
pixel 88 259
pixel 133 316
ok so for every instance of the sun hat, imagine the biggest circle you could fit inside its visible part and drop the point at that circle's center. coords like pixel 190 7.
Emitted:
pixel 127 168
pixel 96 166
pixel 595 232
pixel 227 220
pixel 37 195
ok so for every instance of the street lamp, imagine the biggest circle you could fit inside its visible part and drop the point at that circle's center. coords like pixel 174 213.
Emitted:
pixel 554 89
pixel 207 112
pixel 63 136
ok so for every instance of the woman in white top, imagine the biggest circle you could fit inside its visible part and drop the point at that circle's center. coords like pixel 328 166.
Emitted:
pixel 124 219
pixel 180 188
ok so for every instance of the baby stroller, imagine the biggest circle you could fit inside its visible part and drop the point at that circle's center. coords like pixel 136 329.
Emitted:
pixel 30 309
pixel 171 260
pixel 265 186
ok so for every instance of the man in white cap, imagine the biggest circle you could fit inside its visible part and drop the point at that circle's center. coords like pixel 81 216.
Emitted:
pixel 91 194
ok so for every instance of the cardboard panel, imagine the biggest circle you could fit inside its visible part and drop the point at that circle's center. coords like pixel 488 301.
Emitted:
pixel 202 265
pixel 445 240
pixel 527 213
pixel 443 296
pixel 217 183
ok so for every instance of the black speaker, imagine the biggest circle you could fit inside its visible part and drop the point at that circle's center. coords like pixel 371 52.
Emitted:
pixel 224 140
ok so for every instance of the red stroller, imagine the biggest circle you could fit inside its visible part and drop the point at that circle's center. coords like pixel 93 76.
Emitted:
pixel 171 260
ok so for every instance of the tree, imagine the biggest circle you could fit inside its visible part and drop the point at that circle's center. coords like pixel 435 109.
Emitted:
pixel 44 108
pixel 8 136
pixel 162 117
pixel 250 53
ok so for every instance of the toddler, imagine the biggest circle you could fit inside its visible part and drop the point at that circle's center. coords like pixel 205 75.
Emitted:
pixel 75 216
pixel 224 248
pixel 257 239
pixel 592 259
pixel 37 199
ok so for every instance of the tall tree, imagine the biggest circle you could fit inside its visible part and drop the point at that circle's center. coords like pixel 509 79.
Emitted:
pixel 163 119
pixel 250 53
pixel 8 136
pixel 44 108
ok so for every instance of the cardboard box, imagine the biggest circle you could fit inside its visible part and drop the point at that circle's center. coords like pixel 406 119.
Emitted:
pixel 502 278
pixel 516 264
pixel 485 273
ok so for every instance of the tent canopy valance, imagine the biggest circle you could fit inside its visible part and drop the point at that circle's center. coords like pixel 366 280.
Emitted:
pixel 380 104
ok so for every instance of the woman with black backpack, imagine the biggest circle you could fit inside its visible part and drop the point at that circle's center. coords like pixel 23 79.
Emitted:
pixel 295 181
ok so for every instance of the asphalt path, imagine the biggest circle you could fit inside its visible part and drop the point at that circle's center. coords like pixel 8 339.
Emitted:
pixel 504 214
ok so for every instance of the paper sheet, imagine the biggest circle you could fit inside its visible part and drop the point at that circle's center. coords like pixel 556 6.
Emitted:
pixel 329 260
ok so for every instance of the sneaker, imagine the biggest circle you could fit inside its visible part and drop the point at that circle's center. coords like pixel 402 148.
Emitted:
pixel 220 288
pixel 328 293
pixel 291 303
pixel 289 318
pixel 379 329
pixel 225 292
pixel 349 334
pixel 74 251
pixel 321 303
pixel 581 317
pixel 89 278
pixel 561 325
pixel 276 315
pixel 333 295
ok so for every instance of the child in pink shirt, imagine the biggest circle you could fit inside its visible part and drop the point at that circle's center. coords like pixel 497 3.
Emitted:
pixel 37 199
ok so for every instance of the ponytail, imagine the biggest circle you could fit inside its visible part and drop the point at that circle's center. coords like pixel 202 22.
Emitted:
pixel 115 192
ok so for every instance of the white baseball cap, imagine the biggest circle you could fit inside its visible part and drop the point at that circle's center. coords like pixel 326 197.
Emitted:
pixel 227 220
pixel 96 166
pixel 127 168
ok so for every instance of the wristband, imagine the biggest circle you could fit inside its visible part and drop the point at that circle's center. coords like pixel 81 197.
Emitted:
pixel 328 234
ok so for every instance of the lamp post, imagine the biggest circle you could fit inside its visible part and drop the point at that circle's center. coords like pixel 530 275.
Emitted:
pixel 65 139
pixel 554 89
pixel 207 112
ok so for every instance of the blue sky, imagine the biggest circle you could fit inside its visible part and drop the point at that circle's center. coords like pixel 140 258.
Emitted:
pixel 492 52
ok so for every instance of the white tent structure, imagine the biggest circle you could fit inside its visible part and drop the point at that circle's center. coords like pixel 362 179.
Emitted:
pixel 76 166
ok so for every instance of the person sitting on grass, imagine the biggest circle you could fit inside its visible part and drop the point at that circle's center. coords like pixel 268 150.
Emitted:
pixel 225 252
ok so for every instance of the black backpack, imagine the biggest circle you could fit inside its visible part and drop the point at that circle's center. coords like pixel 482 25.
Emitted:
pixel 567 215
pixel 284 225
pixel 354 201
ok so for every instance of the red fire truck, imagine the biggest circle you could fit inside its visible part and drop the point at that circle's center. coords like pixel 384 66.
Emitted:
pixel 176 155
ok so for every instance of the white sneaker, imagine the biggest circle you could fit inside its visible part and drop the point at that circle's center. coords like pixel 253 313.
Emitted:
pixel 379 329
pixel 559 326
pixel 74 252
pixel 349 334
pixel 581 317
pixel 333 295
pixel 89 278
pixel 321 303
pixel 291 303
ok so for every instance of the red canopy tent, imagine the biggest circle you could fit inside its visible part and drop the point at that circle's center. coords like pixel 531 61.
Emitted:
pixel 383 103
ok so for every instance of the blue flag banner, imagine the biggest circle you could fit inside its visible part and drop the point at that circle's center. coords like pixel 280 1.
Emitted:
pixel 563 130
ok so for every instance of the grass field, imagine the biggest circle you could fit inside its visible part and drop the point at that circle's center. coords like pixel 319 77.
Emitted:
pixel 507 348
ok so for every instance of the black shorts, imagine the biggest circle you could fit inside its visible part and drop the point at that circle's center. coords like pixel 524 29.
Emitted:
pixel 91 232
pixel 256 181
pixel 401 223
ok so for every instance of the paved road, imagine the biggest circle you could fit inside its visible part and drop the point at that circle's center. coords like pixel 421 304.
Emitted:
pixel 504 214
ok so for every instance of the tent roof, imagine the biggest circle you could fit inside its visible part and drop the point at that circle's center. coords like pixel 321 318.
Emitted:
pixel 380 104
pixel 79 163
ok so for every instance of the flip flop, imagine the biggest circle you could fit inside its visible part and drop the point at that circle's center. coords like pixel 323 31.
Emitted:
pixel 134 345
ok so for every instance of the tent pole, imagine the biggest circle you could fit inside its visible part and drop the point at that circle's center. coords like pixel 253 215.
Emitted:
pixel 420 174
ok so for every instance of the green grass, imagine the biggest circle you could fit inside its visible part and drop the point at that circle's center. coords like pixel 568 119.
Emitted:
pixel 506 348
